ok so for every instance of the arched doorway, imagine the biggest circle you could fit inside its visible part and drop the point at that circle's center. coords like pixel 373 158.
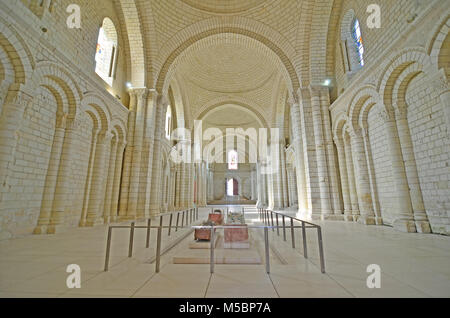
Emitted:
pixel 232 187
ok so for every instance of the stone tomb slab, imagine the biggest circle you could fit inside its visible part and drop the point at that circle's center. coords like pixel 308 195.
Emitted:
pixel 203 244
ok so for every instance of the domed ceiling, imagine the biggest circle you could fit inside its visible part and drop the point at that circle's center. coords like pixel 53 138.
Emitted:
pixel 224 6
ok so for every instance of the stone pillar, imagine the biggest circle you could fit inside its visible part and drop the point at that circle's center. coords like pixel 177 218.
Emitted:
pixel 128 162
pixel 138 135
pixel 367 215
pixel 116 182
pixel 155 198
pixel 52 175
pixel 299 157
pixel 63 190
pixel 351 181
pixel 98 183
pixel 404 218
pixel 11 120
pixel 322 165
pixel 371 170
pixel 331 156
pixel 420 216
pixel 344 179
pixel 110 181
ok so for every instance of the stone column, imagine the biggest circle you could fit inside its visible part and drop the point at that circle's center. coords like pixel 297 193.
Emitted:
pixel 138 135
pixel 322 165
pixel 52 175
pixel 351 180
pixel 371 170
pixel 110 181
pixel 116 182
pixel 403 214
pixel 404 217
pixel 331 156
pixel 63 190
pixel 344 179
pixel 299 157
pixel 97 194
pixel 128 161
pixel 420 216
pixel 362 179
pixel 11 120
pixel 155 198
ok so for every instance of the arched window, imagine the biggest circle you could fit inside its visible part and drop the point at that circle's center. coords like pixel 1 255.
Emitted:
pixel 352 47
pixel 168 122
pixel 357 37
pixel 106 52
pixel 232 160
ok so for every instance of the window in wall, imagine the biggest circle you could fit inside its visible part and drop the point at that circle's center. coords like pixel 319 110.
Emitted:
pixel 232 160
pixel 357 37
pixel 106 52
pixel 168 122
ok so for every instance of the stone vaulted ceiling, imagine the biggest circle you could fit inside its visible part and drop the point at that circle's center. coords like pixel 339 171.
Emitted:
pixel 242 52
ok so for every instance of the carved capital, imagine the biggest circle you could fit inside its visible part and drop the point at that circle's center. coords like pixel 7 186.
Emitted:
pixel 385 116
pixel 439 82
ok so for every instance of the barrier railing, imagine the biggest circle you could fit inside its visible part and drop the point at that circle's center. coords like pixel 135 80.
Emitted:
pixel 267 217
pixel 187 217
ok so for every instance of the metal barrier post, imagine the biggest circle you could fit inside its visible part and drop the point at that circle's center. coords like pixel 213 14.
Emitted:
pixel 305 245
pixel 322 261
pixel 278 228
pixel 182 219
pixel 108 248
pixel 292 233
pixel 271 217
pixel 130 247
pixel 158 250
pixel 284 228
pixel 149 224
pixel 266 244
pixel 178 218
pixel 211 259
pixel 170 223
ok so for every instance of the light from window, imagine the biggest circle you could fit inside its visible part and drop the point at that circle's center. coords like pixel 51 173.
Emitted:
pixel 168 122
pixel 357 37
pixel 106 51
pixel 230 187
pixel 232 160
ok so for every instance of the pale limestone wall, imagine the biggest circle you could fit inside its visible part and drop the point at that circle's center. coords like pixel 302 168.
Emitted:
pixel 55 120
pixel 399 99
pixel 431 143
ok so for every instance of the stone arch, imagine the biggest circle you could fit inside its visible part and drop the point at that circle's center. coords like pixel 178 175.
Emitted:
pixel 17 52
pixel 119 127
pixel 261 34
pixel 52 75
pixel 338 125
pixel 139 67
pixel 94 103
pixel 367 94
pixel 438 46
pixel 180 106
pixel 401 61
pixel 236 100
pixel 401 85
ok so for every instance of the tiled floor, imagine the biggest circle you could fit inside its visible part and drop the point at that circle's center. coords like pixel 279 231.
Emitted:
pixel 413 265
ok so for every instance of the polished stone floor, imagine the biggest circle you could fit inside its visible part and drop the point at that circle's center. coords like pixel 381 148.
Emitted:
pixel 412 265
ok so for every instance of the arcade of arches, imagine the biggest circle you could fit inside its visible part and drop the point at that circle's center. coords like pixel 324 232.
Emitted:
pixel 90 116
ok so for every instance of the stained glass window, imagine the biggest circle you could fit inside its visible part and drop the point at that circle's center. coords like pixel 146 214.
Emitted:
pixel 357 37
pixel 232 160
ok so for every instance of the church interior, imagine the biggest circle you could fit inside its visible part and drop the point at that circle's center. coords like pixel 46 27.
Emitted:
pixel 224 148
